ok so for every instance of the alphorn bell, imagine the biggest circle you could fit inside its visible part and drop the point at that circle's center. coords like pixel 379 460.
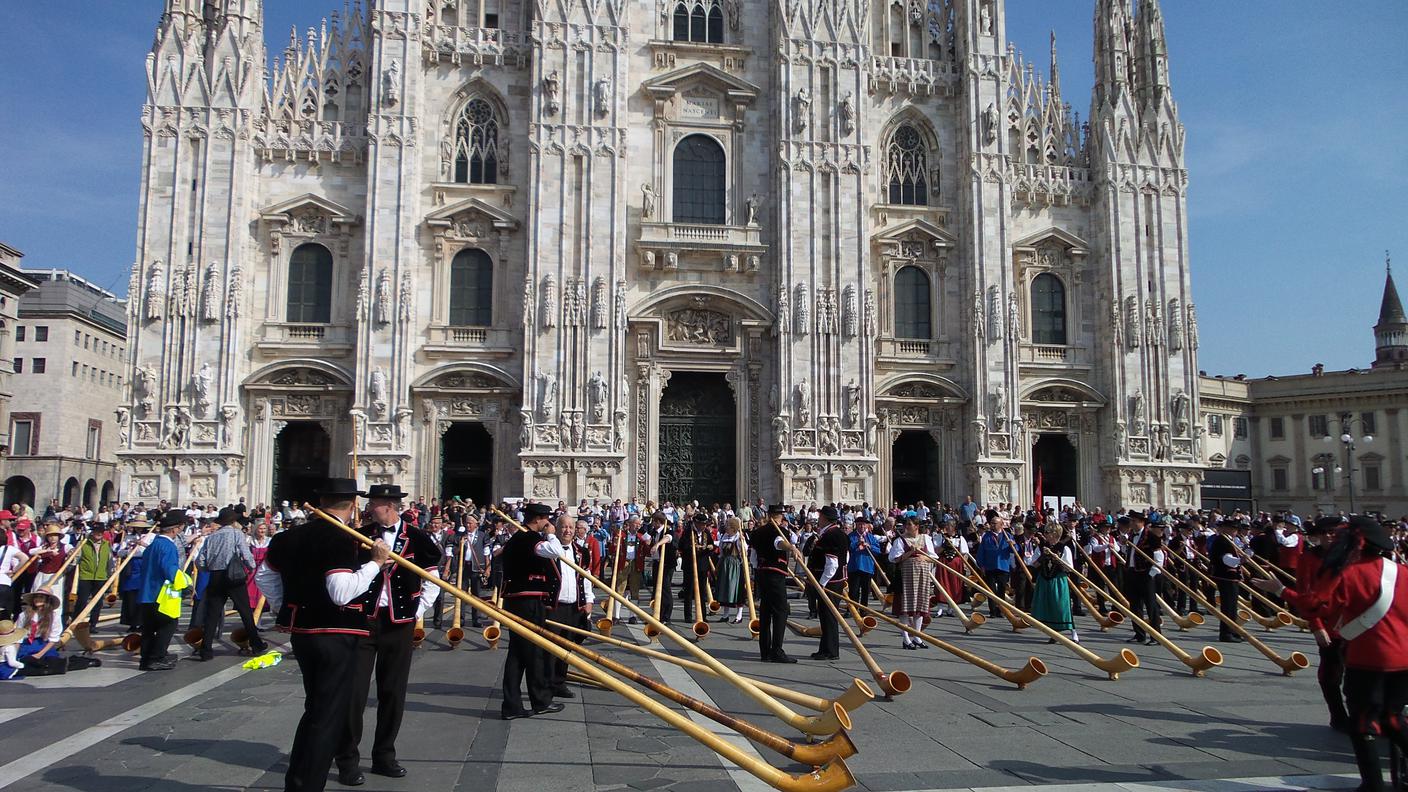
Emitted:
pixel 1034 669
pixel 700 626
pixel 1276 621
pixel 1206 659
pixel 824 724
pixel 1288 665
pixel 714 605
pixel 834 776
pixel 606 622
pixel 1193 619
pixel 82 618
pixel 894 682
pixel 1114 666
pixel 240 635
pixel 418 634
pixel 455 634
pixel 1110 587
pixel 1262 598
pixel 981 591
pixel 196 634
pixel 971 621
pixel 1104 620
pixel 493 631
pixel 754 625
pixel 651 631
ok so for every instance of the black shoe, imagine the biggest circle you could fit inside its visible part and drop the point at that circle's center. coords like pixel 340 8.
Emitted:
pixel 204 657
pixel 549 709
pixel 161 665
pixel 631 620
pixel 1230 639
pixel 1341 725
pixel 563 693
pixel 260 649
pixel 392 770
pixel 1135 639
pixel 350 776
pixel 1150 642
pixel 514 715
pixel 824 656
pixel 781 657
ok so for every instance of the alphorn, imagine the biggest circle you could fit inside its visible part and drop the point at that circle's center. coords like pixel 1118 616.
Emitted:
pixel 864 623
pixel 606 622
pixel 196 634
pixel 493 631
pixel 73 584
pixel 1113 666
pixel 1288 665
pixel 824 724
pixel 1280 619
pixel 838 746
pixel 700 626
pixel 1206 659
pixel 1193 619
pixel 1262 598
pixel 981 591
pixel 893 682
pixel 1110 587
pixel 240 635
pixel 82 617
pixel 971 621
pixel 418 634
pixel 754 625
pixel 803 630
pixel 28 561
pixel 455 634
pixel 834 776
pixel 1034 669
pixel 714 605
pixel 1104 620
pixel 857 694
pixel 651 631
pixel 68 562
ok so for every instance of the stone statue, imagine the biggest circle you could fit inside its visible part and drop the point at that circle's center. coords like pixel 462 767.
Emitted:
pixel 124 426
pixel 1120 439
pixel 847 111
pixel 547 396
pixel 377 393
pixel 751 207
pixel 364 297
pixel 1154 329
pixel 552 85
pixel 529 302
pixel 1136 413
pixel 1175 326
pixel 850 318
pixel 1014 316
pixel 574 297
pixel 870 320
pixel 525 429
pixel 391 84
pixel 1116 324
pixel 1133 335
pixel 404 301
pixel 201 386
pixel 1178 407
pixel 826 311
pixel 177 430
pixel 1192 327
pixel 228 414
pixel 804 403
pixel 618 434
pixel 994 313
pixel 549 301
pixel 781 432
pixel 997 408
pixel 853 404
pixel 990 122
pixel 210 297
pixel 601 97
pixel 1161 448
pixel 829 439
pixel 383 297
pixel 979 321
pixel 597 396
pixel 802 308
pixel 620 305
pixel 176 295
pixel 155 298
pixel 784 313
pixel 144 390
pixel 599 303
pixel 403 426
pixel 734 9
pixel 232 298
pixel 985 18
pixel 980 439
pixel 803 106
pixel 647 201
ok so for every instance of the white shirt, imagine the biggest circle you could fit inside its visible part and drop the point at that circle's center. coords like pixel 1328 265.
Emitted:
pixel 429 592
pixel 903 545
pixel 10 560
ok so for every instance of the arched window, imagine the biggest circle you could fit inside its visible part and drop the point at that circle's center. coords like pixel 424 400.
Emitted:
pixel 476 149
pixel 1048 310
pixel 912 307
pixel 907 168
pixel 471 288
pixel 701 21
pixel 700 181
pixel 310 285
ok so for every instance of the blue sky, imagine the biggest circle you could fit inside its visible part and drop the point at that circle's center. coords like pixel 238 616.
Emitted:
pixel 1296 110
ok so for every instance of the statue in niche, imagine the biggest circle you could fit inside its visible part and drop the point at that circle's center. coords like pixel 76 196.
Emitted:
pixel 829 438
pixel 1120 439
pixel 547 396
pixel 525 429
pixel 404 301
pixel 618 434
pixel 383 297
pixel 847 112
pixel 781 430
pixel 1136 413
pixel 144 390
pixel 403 426
pixel 124 426
pixel 1192 327
pixel 784 313
pixel 177 429
pixel 734 9
pixel 601 97
pixel 552 85
pixel 377 393
pixel 232 298
pixel 1178 407
pixel 647 201
pixel 850 324
pixel 620 305
pixel 1116 324
pixel 870 320
pixel 155 297
pixel 985 18
pixel 980 439
pixel 990 124
pixel 1014 316
pixel 1175 326
pixel 201 386
pixel 804 404
pixel 529 302
pixel 997 408
pixel 802 308
pixel 979 321
pixel 853 404
pixel 803 106
pixel 751 207
pixel 995 331
pixel 1161 446
pixel 363 294
pixel 597 396
pixel 391 84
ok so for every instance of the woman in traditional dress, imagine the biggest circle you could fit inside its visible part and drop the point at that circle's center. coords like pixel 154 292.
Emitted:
pixel 728 585
pixel 1051 597
pixel 912 554
pixel 949 571
pixel 259 546
pixel 40 624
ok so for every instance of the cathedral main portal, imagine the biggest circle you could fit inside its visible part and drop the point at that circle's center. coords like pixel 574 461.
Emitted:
pixel 697 451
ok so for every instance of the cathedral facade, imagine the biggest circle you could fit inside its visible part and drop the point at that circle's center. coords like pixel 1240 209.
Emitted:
pixel 809 250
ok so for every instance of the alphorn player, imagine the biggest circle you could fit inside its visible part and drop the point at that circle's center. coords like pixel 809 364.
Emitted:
pixel 827 562
pixel 1330 671
pixel 530 579
pixel 312 578
pixel 1142 581
pixel 1226 570
pixel 767 542
pixel 392 602
pixel 1361 589
pixel 572 601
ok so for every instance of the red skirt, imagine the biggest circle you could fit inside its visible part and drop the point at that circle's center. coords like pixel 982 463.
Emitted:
pixel 950 579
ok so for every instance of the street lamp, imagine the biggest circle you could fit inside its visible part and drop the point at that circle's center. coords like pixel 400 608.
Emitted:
pixel 1348 441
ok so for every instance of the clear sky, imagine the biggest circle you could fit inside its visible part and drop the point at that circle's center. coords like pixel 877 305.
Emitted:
pixel 1296 112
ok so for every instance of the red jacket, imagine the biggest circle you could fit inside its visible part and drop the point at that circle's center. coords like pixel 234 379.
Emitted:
pixel 1307 572
pixel 1383 647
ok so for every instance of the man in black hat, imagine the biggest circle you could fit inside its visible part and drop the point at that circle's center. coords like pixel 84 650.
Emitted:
pixel 827 563
pixel 770 546
pixel 530 579
pixel 312 578
pixel 227 561
pixel 392 602
pixel 700 545
pixel 665 560
pixel 1226 571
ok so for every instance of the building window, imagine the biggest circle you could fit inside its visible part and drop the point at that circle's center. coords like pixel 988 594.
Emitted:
pixel 907 168
pixel 40 365
pixel 1278 428
pixel 95 434
pixel 19 333
pixel 1048 310
pixel 75 369
pixel 1318 479
pixel 310 285
pixel 700 181
pixel 1280 480
pixel 701 22
pixel 1319 426
pixel 77 337
pixel 1370 423
pixel 1372 480
pixel 1215 425
pixel 19 365
pixel 476 153
pixel 41 333
pixel 22 438
pixel 1239 428
pixel 471 288
pixel 912 309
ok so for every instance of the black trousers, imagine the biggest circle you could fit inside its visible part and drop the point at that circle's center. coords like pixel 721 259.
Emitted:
pixel 997 581
pixel 860 587
pixel 1330 675
pixel 830 631
pixel 1141 589
pixel 1022 591
pixel 526 659
pixel 157 630
pixel 386 650
pixel 86 590
pixel 565 613
pixel 5 601
pixel 1227 592
pixel 328 663
pixel 131 609
pixel 667 597
pixel 772 612
pixel 217 591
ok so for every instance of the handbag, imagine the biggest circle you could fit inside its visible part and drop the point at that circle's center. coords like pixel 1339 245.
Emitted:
pixel 235 571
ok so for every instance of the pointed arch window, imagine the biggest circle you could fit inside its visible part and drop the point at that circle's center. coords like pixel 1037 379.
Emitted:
pixel 701 21
pixel 907 167
pixel 310 285
pixel 700 181
pixel 476 147
pixel 471 289
pixel 912 304
pixel 1048 310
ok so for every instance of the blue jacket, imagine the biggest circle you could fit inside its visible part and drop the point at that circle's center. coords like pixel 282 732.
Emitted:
pixel 862 561
pixel 160 562
pixel 994 553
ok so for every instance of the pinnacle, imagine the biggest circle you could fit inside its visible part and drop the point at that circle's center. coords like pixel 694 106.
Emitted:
pixel 1391 309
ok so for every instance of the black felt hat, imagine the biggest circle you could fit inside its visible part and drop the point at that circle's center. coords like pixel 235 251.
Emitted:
pixel 335 486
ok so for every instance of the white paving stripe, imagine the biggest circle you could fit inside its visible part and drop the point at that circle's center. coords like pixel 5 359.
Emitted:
pixel 17 712
pixel 25 766
pixel 1298 783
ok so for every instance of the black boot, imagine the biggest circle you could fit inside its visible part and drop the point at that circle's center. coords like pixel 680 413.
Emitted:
pixel 1366 756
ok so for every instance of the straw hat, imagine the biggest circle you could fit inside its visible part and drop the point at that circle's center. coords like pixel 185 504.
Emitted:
pixel 54 600
pixel 9 633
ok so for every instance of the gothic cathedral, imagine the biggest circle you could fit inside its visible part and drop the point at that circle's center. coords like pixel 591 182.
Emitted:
pixel 807 250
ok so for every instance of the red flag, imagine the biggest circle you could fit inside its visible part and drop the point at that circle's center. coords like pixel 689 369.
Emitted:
pixel 1039 504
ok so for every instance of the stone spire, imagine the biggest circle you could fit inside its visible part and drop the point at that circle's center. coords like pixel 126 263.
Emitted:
pixel 1112 51
pixel 1055 70
pixel 1391 332
pixel 1151 55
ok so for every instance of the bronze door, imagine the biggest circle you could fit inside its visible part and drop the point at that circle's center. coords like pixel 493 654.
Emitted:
pixel 697 445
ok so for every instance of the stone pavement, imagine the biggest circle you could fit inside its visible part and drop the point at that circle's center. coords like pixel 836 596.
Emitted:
pixel 207 726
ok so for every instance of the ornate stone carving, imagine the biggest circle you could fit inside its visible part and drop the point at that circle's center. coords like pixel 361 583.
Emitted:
pixel 1133 334
pixel 698 326
pixel 201 386
pixel 1154 324
pixel 801 107
pixel 784 313
pixel 377 393
pixel 1192 327
pixel 573 299
pixel 124 426
pixel 850 322
pixel 598 394
pixel 210 302
pixel 1178 408
pixel 826 311
pixel 599 317
pixel 803 398
pixel 870 320
pixel 552 86
pixel 383 297
pixel 601 97
pixel 1175 326
pixel 620 306
pixel 1014 316
pixel 751 207
pixel 803 308
pixel 232 297
pixel 391 85
pixel 547 396
pixel 144 390
pixel 549 301
pixel 647 201
pixel 406 299
pixel 156 298
pixel 847 113
pixel 829 438
pixel 529 302
pixel 995 331
pixel 853 404
pixel 1136 413
pixel 176 428
pixel 997 409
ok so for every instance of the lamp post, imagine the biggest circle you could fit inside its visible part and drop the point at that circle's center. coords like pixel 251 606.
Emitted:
pixel 1348 441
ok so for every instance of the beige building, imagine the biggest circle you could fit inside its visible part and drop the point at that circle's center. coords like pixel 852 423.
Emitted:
pixel 13 284
pixel 69 360
pixel 1324 441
